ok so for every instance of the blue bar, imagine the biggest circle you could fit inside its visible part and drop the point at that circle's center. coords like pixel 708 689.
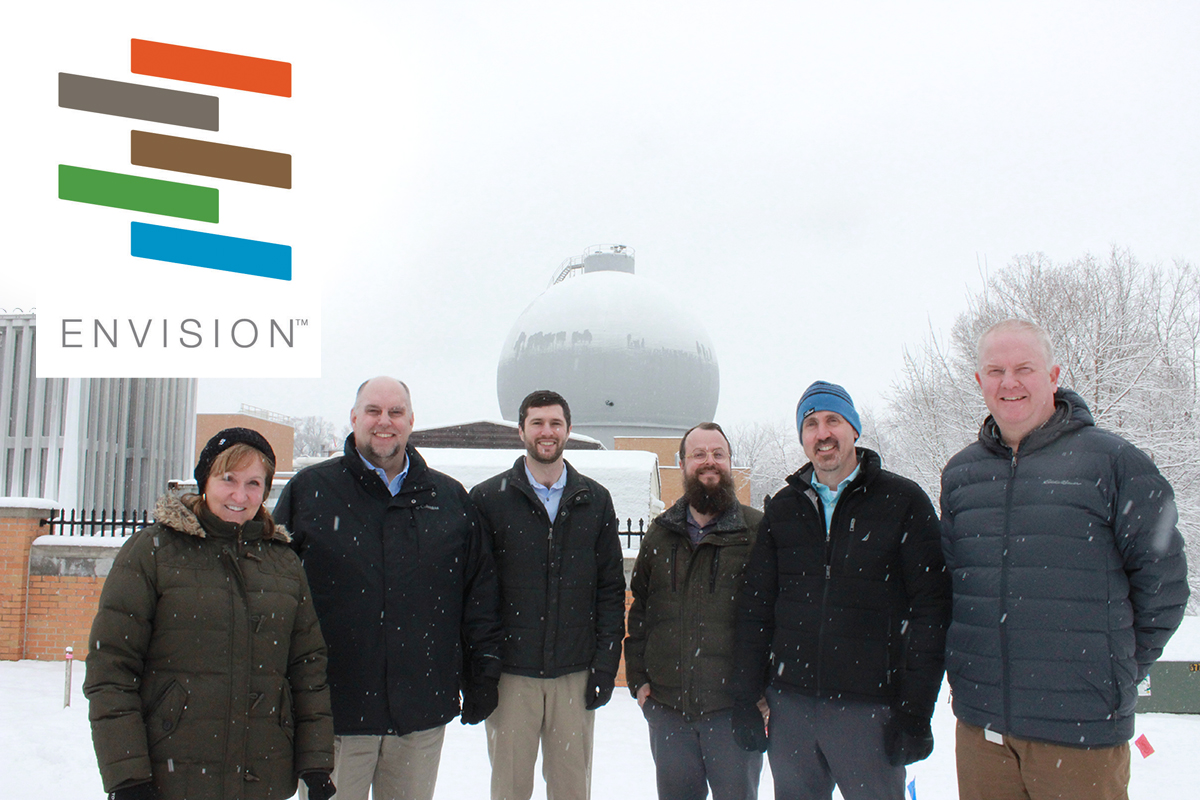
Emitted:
pixel 208 250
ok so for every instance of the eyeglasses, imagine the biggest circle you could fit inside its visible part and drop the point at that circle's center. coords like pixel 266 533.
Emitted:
pixel 719 456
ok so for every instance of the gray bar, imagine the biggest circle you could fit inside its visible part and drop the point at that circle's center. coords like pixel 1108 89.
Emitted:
pixel 136 101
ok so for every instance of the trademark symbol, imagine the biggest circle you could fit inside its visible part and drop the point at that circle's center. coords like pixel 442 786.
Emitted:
pixel 303 323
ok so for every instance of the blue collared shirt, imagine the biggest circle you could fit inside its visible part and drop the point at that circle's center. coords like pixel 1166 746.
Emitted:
pixel 550 496
pixel 829 497
pixel 395 483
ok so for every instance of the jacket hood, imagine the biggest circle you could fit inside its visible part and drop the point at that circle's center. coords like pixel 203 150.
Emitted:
pixel 675 518
pixel 171 512
pixel 1070 414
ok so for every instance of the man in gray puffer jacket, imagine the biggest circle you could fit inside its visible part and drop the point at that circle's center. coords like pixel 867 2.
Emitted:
pixel 1069 578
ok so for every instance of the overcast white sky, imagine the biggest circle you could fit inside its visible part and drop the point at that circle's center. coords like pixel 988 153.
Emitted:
pixel 819 182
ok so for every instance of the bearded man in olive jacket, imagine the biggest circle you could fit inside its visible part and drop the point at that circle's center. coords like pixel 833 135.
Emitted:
pixel 679 651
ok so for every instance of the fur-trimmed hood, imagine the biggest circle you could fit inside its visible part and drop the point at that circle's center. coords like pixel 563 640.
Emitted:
pixel 174 514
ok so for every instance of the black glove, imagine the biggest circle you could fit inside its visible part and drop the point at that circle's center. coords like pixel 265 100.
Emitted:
pixel 320 787
pixel 139 791
pixel 480 699
pixel 907 739
pixel 749 729
pixel 599 689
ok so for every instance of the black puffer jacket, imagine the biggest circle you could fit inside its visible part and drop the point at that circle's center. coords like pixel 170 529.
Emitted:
pixel 562 586
pixel 681 622
pixel 402 586
pixel 1069 578
pixel 206 667
pixel 860 614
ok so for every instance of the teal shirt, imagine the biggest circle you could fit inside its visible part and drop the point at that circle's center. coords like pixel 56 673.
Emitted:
pixel 829 497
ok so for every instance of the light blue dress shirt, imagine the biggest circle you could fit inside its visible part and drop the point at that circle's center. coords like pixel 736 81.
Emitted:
pixel 395 483
pixel 550 496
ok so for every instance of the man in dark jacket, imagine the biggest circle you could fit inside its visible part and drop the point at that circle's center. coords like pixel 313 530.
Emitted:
pixel 679 652
pixel 406 593
pixel 562 591
pixel 1069 578
pixel 843 613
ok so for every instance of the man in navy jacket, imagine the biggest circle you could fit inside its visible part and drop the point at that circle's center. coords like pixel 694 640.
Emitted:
pixel 1069 578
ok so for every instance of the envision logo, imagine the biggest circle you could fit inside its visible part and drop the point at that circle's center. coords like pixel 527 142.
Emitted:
pixel 183 155
pixel 187 333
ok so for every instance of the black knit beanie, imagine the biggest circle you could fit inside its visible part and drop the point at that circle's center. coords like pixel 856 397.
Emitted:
pixel 222 442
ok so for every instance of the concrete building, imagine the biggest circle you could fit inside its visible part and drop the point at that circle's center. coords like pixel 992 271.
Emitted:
pixel 89 443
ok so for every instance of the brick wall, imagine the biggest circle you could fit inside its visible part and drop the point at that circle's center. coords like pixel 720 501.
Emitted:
pixel 18 529
pixel 59 615
pixel 65 578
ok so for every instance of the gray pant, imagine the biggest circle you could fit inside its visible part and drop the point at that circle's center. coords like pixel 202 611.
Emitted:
pixel 689 757
pixel 815 743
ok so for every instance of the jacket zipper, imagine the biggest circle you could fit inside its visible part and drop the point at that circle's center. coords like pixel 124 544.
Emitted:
pixel 1004 674
pixel 239 580
pixel 839 508
pixel 712 578
pixel 549 569
pixel 675 567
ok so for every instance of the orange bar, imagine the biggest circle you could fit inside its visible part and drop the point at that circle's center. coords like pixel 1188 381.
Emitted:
pixel 210 67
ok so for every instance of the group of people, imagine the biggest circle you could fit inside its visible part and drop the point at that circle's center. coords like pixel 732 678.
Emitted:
pixel 236 654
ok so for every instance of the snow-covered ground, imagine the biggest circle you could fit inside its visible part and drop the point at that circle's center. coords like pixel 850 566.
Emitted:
pixel 46 750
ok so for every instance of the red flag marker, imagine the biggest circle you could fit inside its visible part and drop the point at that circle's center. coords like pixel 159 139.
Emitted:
pixel 1143 744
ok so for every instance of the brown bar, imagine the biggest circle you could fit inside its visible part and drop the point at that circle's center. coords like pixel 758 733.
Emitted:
pixel 209 158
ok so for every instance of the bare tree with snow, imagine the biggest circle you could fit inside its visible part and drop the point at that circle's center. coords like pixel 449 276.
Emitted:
pixel 1126 335
pixel 314 436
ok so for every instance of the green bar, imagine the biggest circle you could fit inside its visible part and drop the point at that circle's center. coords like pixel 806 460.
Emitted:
pixel 118 190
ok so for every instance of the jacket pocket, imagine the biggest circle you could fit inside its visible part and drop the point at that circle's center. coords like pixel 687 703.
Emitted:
pixel 165 713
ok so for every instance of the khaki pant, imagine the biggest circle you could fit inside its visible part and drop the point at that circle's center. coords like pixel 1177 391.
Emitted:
pixel 1020 769
pixel 550 712
pixel 391 767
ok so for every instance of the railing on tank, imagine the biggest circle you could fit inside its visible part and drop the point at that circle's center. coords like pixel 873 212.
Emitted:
pixel 575 263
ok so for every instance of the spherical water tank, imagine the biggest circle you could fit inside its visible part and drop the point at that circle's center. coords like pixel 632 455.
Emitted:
pixel 622 352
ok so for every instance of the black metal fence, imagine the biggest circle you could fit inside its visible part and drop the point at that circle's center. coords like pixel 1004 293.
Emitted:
pixel 96 523
pixel 631 539
pixel 113 523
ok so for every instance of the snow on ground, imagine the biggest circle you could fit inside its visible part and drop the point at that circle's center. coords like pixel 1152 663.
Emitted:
pixel 46 750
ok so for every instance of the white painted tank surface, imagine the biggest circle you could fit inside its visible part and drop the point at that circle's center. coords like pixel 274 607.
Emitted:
pixel 618 348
